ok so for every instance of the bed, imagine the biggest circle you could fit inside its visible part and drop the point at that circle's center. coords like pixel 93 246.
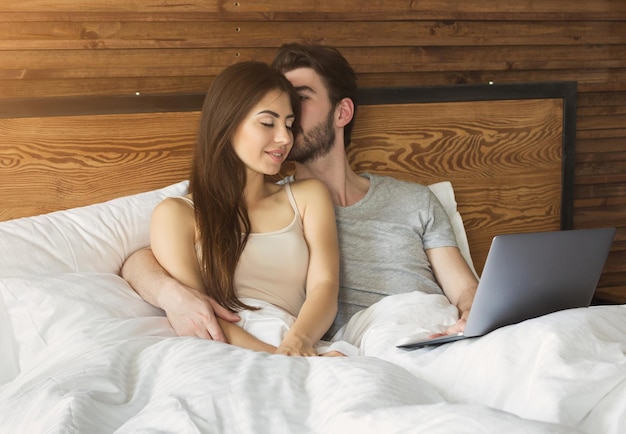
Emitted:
pixel 81 352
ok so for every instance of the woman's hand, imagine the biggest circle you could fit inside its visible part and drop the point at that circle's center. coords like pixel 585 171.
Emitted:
pixel 333 353
pixel 293 345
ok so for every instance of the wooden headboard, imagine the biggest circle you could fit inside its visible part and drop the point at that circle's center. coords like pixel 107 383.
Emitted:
pixel 508 149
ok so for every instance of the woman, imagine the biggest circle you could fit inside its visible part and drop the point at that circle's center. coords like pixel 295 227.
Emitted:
pixel 255 246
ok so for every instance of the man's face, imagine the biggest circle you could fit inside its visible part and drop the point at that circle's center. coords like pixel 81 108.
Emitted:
pixel 317 121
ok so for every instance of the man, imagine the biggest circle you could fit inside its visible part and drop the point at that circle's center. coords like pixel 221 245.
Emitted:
pixel 394 236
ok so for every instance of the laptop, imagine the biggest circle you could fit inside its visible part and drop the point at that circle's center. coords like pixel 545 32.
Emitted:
pixel 529 275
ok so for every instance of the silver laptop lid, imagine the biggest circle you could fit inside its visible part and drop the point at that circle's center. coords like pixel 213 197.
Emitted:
pixel 533 274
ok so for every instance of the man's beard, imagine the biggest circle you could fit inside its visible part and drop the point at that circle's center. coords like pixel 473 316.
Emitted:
pixel 315 143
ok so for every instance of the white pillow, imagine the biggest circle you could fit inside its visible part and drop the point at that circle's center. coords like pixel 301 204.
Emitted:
pixel 98 238
pixel 63 311
pixel 95 238
pixel 41 299
pixel 445 193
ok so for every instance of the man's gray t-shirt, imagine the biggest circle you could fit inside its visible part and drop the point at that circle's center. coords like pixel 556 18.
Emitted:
pixel 383 240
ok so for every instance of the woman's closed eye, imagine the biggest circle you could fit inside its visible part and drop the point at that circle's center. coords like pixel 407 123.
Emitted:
pixel 272 125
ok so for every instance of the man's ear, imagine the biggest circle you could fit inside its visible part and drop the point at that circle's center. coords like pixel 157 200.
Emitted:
pixel 345 112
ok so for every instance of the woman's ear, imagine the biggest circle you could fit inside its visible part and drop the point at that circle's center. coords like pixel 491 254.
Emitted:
pixel 345 112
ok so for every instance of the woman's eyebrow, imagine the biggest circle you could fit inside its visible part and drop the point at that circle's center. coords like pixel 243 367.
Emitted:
pixel 274 114
pixel 268 112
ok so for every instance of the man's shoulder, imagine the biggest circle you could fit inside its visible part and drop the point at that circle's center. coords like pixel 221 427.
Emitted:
pixel 398 185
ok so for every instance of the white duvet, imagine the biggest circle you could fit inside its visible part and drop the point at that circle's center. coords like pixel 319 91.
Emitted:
pixel 82 353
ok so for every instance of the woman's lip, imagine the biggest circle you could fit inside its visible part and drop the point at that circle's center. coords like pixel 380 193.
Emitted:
pixel 276 155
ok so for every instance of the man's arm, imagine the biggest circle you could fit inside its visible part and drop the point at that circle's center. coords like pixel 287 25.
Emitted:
pixel 456 279
pixel 191 312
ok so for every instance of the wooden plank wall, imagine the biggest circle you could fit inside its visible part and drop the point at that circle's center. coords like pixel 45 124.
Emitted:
pixel 106 47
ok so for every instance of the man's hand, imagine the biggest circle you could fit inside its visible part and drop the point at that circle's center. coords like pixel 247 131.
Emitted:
pixel 193 313
pixel 455 328
pixel 190 312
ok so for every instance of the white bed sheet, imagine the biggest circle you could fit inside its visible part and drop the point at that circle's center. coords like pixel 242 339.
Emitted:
pixel 568 367
pixel 82 353
pixel 105 369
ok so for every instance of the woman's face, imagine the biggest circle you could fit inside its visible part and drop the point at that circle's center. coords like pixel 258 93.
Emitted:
pixel 265 137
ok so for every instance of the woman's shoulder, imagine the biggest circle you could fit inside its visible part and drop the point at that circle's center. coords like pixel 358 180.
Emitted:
pixel 177 201
pixel 311 193
pixel 309 189
pixel 175 206
pixel 310 184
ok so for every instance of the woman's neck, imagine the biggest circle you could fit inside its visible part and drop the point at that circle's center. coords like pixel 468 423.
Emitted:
pixel 257 188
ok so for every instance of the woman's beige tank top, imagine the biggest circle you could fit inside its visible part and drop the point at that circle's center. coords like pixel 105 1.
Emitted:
pixel 274 265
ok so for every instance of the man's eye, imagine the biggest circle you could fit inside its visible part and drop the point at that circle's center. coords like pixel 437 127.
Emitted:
pixel 303 97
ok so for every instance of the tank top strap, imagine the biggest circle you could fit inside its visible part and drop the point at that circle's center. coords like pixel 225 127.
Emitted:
pixel 292 200
pixel 186 199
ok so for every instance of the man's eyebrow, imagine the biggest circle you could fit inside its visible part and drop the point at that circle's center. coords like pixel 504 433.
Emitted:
pixel 304 89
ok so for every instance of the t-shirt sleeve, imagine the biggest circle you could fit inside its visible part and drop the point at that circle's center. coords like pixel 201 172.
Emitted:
pixel 438 231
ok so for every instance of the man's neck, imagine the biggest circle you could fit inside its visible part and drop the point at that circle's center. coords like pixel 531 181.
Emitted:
pixel 345 186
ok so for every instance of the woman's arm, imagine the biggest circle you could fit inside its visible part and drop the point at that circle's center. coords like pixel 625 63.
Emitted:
pixel 322 285
pixel 172 239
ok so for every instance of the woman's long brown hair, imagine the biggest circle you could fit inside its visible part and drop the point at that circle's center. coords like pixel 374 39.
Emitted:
pixel 218 176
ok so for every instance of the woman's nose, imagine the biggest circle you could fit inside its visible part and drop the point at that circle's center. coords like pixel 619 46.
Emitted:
pixel 283 135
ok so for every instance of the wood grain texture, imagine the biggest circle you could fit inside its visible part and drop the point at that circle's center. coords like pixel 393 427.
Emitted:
pixel 394 9
pixel 52 163
pixel 119 47
pixel 162 34
pixel 503 157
